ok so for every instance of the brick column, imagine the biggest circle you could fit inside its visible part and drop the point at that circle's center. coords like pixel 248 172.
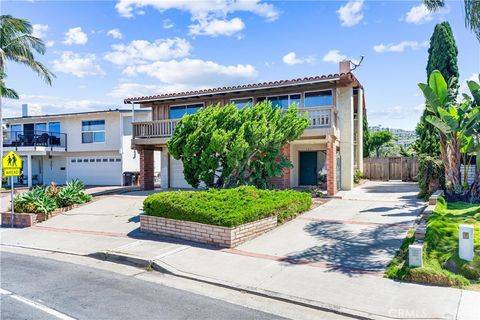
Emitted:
pixel 146 169
pixel 331 168
pixel 283 181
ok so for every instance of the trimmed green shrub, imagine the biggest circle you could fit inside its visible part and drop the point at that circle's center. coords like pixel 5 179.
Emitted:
pixel 227 207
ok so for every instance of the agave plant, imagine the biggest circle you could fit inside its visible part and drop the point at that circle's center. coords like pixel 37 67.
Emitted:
pixel 72 193
pixel 35 201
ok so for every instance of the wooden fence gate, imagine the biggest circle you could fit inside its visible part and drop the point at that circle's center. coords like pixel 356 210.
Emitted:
pixel 391 168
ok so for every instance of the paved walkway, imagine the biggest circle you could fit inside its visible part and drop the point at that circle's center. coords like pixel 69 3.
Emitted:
pixel 331 257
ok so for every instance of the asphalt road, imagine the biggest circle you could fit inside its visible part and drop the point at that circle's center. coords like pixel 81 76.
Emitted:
pixel 39 288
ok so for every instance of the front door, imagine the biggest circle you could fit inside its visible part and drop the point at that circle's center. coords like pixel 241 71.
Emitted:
pixel 308 168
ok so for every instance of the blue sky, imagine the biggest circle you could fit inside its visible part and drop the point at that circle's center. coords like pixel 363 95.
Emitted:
pixel 104 51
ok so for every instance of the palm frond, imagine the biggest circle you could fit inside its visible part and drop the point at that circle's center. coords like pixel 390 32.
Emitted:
pixel 434 5
pixel 7 92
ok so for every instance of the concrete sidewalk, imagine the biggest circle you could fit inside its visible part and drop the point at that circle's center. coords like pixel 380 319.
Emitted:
pixel 290 263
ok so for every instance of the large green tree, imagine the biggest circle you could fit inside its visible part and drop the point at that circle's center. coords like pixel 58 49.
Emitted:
pixel 442 56
pixel 378 140
pixel 226 147
pixel 472 13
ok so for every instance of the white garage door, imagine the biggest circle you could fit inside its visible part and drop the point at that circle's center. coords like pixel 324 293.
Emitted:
pixel 176 175
pixel 96 171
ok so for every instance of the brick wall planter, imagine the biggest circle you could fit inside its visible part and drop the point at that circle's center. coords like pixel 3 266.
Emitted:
pixel 22 220
pixel 198 232
pixel 25 220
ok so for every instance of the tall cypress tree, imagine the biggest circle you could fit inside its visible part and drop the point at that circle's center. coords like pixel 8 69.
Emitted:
pixel 442 56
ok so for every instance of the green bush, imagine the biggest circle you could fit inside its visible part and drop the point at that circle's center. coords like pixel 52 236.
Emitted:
pixel 35 201
pixel 430 176
pixel 44 199
pixel 227 207
pixel 357 176
pixel 72 193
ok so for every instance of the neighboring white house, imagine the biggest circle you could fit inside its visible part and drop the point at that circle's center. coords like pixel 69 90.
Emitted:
pixel 93 147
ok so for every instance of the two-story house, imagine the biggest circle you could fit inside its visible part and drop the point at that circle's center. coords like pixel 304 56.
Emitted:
pixel 332 143
pixel 91 146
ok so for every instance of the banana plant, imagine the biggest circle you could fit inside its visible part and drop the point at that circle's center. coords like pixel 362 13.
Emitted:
pixel 454 121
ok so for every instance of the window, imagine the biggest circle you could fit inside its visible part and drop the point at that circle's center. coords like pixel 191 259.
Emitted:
pixel 15 130
pixel 242 103
pixel 93 131
pixel 40 128
pixel 285 101
pixel 74 160
pixel 177 112
pixel 54 129
pixel 318 99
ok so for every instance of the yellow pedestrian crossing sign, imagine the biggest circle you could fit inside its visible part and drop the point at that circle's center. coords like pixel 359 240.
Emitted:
pixel 11 164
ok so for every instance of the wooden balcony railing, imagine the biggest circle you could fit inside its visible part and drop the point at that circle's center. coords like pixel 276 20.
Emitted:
pixel 154 129
pixel 319 118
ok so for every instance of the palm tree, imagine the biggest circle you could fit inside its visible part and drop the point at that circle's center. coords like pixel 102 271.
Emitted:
pixel 472 13
pixel 17 44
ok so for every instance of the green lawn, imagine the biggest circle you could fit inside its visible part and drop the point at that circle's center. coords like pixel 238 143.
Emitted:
pixel 442 266
pixel 227 207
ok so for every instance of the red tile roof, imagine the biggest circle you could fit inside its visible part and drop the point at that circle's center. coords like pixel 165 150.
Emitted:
pixel 349 76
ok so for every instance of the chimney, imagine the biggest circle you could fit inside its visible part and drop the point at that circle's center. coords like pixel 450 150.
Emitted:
pixel 24 110
pixel 344 66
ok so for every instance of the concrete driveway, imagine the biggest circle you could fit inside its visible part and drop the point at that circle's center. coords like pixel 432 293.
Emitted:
pixel 357 234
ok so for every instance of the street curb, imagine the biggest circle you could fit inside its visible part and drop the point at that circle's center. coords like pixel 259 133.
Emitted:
pixel 165 268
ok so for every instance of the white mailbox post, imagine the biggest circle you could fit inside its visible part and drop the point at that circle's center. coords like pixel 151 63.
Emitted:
pixel 465 242
pixel 415 254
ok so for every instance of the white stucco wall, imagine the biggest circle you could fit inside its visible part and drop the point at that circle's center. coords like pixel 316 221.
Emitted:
pixel 360 130
pixel 345 124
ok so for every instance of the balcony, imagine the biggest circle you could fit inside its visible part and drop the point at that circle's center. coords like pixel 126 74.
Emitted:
pixel 322 121
pixel 35 140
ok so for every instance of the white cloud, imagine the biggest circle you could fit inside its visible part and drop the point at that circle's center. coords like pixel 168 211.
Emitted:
pixel 351 13
pixel 167 24
pixel 216 27
pixel 200 9
pixel 291 59
pixel 143 51
pixel 399 47
pixel 418 14
pixel 42 104
pixel 131 89
pixel 334 56
pixel 50 43
pixel 77 65
pixel 40 30
pixel 209 17
pixel 463 83
pixel 195 72
pixel 115 34
pixel 75 36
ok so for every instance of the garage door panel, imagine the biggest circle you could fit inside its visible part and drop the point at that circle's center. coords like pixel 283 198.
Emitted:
pixel 96 170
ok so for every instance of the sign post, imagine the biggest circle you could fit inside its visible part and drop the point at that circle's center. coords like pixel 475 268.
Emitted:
pixel 12 167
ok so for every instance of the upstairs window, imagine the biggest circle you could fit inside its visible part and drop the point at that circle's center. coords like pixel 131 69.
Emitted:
pixel 285 101
pixel 177 112
pixel 242 103
pixel 318 99
pixel 93 131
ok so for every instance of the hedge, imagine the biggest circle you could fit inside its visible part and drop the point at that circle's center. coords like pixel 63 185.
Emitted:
pixel 227 207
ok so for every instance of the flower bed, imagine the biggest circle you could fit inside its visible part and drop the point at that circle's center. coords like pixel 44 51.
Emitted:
pixel 46 201
pixel 227 209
